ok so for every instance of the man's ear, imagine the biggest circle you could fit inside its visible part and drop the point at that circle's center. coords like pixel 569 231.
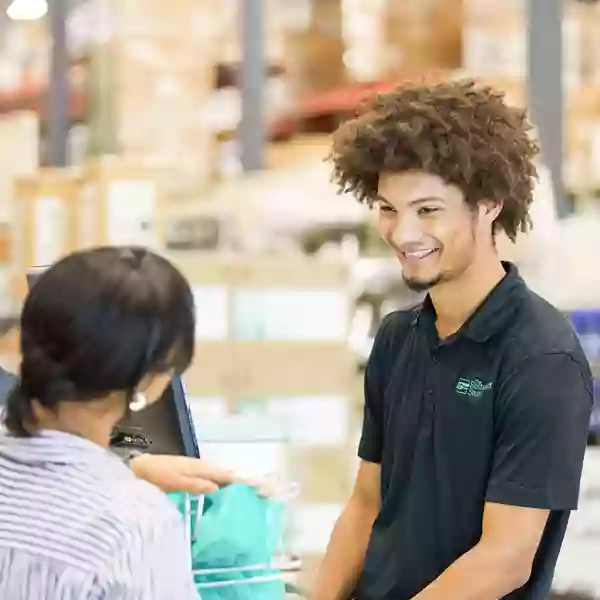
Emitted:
pixel 489 210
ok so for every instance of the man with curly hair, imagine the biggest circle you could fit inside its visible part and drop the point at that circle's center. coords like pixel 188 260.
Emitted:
pixel 477 402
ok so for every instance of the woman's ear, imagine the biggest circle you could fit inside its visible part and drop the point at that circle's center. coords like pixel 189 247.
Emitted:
pixel 153 385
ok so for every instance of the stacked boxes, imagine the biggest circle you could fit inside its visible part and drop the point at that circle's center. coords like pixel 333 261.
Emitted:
pixel 421 36
pixel 57 211
pixel 152 81
pixel 120 203
pixel 44 221
pixel 314 53
pixel 19 156
pixel 271 346
pixel 495 49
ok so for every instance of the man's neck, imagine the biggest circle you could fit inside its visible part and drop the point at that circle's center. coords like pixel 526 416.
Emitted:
pixel 455 301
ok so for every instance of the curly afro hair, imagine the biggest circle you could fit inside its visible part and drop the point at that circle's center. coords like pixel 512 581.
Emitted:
pixel 460 131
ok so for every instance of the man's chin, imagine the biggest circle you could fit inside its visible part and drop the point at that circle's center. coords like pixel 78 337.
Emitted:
pixel 420 285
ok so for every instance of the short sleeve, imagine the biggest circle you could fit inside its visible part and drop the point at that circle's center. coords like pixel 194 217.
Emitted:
pixel 542 418
pixel 154 561
pixel 371 442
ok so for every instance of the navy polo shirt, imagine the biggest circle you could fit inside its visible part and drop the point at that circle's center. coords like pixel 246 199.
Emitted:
pixel 497 412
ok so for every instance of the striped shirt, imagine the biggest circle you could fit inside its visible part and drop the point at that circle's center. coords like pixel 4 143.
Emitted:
pixel 76 524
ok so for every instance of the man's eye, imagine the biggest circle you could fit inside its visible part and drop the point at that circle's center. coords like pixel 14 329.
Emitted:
pixel 426 210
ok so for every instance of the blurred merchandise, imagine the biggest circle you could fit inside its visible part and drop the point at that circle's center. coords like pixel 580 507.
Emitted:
pixel 272 348
pixel 422 35
pixel 120 203
pixel 43 221
pixel 577 566
pixel 494 48
pixel 19 154
pixel 149 83
pixel 315 53
pixel 56 211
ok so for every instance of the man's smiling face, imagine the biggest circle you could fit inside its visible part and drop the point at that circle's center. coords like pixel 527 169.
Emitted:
pixel 430 227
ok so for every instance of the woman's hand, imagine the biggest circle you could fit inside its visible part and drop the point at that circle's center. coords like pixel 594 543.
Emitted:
pixel 182 474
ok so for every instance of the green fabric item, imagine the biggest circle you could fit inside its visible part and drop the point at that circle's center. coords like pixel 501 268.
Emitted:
pixel 238 529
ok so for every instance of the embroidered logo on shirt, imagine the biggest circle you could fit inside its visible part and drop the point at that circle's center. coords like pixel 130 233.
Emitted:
pixel 474 388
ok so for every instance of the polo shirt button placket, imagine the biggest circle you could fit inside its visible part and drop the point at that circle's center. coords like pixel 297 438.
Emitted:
pixel 428 411
pixel 436 361
pixel 430 389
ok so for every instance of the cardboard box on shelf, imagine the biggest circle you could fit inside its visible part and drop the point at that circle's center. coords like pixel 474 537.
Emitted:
pixel 44 220
pixel 212 372
pixel 150 86
pixel 19 154
pixel 494 51
pixel 271 342
pixel 314 54
pixel 582 160
pixel 592 44
pixel 422 35
pixel 5 244
pixel 268 368
pixel 495 40
pixel 177 17
pixel 499 13
pixel 162 113
pixel 119 203
pixel 577 165
pixel 314 63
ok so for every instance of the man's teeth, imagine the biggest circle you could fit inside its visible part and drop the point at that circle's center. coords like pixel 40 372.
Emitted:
pixel 420 253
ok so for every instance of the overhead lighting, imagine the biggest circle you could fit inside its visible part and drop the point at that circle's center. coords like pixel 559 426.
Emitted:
pixel 27 10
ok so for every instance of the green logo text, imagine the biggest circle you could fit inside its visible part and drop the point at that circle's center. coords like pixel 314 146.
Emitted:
pixel 474 388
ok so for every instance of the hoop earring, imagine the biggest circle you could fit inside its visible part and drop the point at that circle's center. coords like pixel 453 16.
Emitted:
pixel 139 402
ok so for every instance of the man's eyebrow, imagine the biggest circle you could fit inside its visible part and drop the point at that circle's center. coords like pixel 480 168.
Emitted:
pixel 414 202
pixel 426 199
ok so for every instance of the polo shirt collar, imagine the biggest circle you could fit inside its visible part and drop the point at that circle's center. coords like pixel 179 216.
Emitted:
pixel 491 316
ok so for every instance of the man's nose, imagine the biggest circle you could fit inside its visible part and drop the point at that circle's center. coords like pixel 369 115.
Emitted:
pixel 404 230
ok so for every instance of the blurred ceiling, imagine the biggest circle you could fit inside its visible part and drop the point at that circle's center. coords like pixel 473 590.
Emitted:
pixel 4 20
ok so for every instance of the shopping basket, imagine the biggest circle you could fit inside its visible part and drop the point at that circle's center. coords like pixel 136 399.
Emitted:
pixel 260 581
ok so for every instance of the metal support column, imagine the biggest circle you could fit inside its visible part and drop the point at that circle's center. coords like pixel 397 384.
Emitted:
pixel 545 89
pixel 252 84
pixel 58 93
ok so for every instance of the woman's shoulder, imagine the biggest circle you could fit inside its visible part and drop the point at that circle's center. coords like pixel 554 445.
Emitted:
pixel 140 505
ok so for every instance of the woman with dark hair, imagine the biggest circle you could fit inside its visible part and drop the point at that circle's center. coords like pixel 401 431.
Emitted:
pixel 102 332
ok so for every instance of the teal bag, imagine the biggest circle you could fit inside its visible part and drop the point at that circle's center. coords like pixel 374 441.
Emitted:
pixel 237 538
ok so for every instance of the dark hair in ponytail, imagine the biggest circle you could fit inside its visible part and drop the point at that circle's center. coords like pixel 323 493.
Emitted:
pixel 97 322
pixel 18 411
pixel 40 378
